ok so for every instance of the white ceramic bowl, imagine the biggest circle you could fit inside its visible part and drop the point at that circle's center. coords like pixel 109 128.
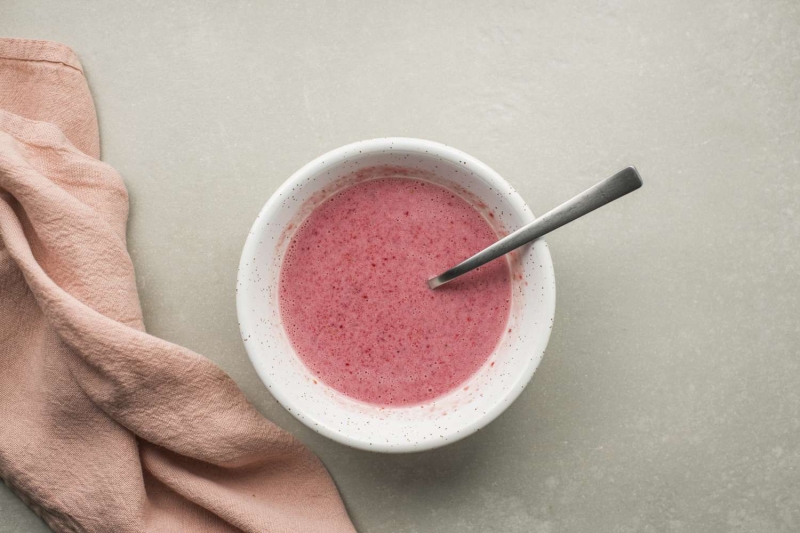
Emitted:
pixel 393 429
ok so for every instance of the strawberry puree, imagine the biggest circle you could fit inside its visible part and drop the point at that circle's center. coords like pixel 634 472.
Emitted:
pixel 354 302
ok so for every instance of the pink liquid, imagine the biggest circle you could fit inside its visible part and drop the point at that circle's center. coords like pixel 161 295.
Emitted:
pixel 354 301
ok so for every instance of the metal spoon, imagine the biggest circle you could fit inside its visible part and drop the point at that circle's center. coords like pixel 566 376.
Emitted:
pixel 625 181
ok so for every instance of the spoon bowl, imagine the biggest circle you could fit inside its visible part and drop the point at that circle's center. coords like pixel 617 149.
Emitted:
pixel 434 423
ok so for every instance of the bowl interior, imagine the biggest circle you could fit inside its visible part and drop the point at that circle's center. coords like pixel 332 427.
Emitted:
pixel 393 429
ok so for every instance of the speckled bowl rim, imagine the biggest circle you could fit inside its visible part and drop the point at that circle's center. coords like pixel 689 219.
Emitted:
pixel 366 147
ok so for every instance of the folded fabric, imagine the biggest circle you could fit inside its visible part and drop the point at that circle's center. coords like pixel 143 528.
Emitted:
pixel 102 426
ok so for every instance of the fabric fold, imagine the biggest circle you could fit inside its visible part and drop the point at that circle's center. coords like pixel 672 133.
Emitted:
pixel 102 426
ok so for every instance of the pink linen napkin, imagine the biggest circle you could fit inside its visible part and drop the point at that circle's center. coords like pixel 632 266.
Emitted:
pixel 102 426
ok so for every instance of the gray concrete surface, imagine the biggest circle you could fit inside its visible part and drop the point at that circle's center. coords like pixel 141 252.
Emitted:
pixel 669 398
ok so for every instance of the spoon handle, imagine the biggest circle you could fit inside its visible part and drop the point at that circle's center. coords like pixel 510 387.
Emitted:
pixel 625 181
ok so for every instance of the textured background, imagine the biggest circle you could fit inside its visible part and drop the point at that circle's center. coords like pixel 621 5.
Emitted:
pixel 669 398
